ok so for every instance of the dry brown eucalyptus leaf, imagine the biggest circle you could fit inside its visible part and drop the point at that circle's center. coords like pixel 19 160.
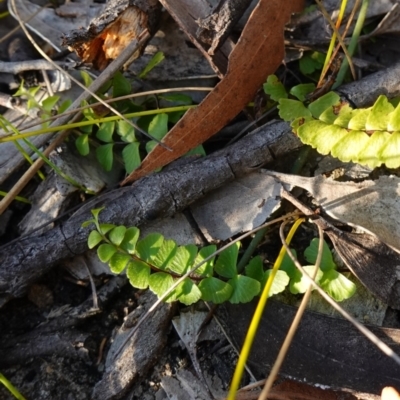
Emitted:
pixel 258 53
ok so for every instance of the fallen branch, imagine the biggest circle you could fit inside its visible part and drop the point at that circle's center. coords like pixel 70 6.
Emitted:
pixel 158 195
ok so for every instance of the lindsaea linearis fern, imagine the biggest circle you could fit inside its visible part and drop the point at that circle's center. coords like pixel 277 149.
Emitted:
pixel 156 263
pixel 368 136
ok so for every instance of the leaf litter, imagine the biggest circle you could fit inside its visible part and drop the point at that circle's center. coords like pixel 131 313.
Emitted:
pixel 360 246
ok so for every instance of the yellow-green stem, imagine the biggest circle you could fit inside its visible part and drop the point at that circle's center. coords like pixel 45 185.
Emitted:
pixel 95 121
pixel 257 316
pixel 13 390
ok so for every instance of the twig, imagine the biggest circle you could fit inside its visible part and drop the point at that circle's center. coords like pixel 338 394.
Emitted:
pixel 142 39
pixel 16 104
pixel 339 36
pixel 17 28
pixel 96 85
pixel 21 66
pixel 115 99
pixel 296 321
pixel 364 330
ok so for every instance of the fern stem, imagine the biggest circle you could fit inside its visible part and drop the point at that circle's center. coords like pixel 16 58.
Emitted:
pixel 251 249
pixel 257 316
pixel 13 390
pixel 18 198
pixel 353 42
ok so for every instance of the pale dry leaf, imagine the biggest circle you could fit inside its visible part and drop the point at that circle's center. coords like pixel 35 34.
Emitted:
pixel 373 206
pixel 237 207
pixel 50 23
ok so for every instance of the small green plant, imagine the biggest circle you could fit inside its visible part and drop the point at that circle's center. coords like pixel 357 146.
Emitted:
pixel 118 138
pixel 156 263
pixel 368 136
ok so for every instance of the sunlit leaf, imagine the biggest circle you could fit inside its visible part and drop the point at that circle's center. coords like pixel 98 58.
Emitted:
pixel 155 60
pixel 50 102
pixel 183 259
pixel 378 116
pixel 337 285
pixel 215 290
pixel 187 292
pixel 149 246
pixel 299 283
pixel 244 289
pixel 158 126
pixel 359 119
pixel 138 274
pixel 105 251
pixel 131 156
pixel 371 154
pixel 118 262
pixel 160 282
pixel 279 283
pixel 117 234
pixel 207 268
pixel 126 131
pixel 130 239
pixel 390 153
pixel 227 261
pixel 165 254
pixel 318 106
pixel 394 120
pixel 274 88
pixel 94 239
pixel 348 148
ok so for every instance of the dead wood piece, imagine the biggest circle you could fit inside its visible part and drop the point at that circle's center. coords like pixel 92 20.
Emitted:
pixel 186 13
pixel 140 353
pixel 159 195
pixel 69 343
pixel 325 350
pixel 108 35
pixel 364 92
pixel 58 335
pixel 216 27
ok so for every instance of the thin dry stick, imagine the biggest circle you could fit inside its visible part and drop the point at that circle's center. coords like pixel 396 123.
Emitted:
pixel 96 85
pixel 296 321
pixel 143 37
pixel 17 28
pixel 339 37
pixel 365 331
pixel 115 99
pixel 337 48
pixel 10 67
pixel 180 280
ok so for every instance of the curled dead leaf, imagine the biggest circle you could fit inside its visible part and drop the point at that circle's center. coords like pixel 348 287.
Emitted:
pixel 258 53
